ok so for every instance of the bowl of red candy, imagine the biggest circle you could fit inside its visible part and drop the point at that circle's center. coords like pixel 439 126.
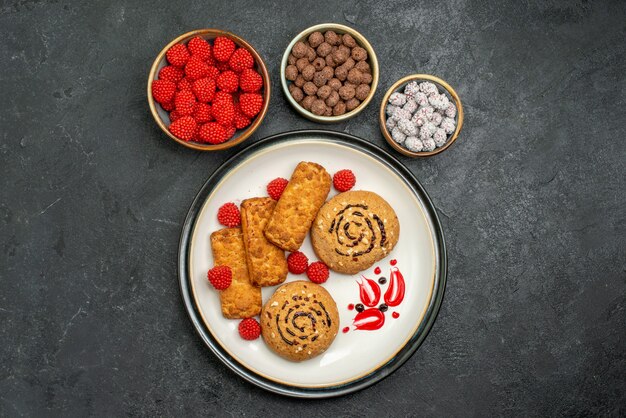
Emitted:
pixel 208 90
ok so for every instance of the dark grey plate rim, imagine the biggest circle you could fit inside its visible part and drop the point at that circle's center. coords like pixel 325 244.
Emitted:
pixel 440 269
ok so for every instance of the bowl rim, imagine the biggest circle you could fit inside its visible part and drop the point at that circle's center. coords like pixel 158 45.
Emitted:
pixel 373 61
pixel 245 134
pixel 383 118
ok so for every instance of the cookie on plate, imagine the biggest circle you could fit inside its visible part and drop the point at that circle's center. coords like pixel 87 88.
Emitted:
pixel 300 320
pixel 304 195
pixel 353 230
pixel 267 265
pixel 241 299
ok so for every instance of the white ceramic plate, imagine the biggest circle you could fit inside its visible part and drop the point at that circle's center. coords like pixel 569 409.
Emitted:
pixel 356 356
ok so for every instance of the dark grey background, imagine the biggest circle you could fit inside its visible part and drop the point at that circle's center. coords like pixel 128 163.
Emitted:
pixel 532 200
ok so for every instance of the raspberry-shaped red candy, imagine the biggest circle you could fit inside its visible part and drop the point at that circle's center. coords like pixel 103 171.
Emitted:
pixel 213 133
pixel 184 102
pixel 202 112
pixel 223 108
pixel 171 73
pixel 220 277
pixel 184 84
pixel 250 81
pixel 297 262
pixel 344 180
pixel 228 81
pixel 199 48
pixel 174 116
pixel 163 90
pixel 230 131
pixel 240 120
pixel 213 72
pixel 240 60
pixel 317 272
pixel 228 214
pixel 169 106
pixel 276 187
pixel 196 68
pixel 177 55
pixel 249 329
pixel 204 89
pixel 223 48
pixel 183 128
pixel 250 104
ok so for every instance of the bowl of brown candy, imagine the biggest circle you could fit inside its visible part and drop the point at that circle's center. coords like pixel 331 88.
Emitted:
pixel 329 73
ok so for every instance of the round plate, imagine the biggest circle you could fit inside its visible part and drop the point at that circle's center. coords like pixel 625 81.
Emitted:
pixel 357 358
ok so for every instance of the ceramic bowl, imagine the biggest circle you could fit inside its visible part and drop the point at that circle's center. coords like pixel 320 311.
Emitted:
pixel 398 86
pixel 161 117
pixel 340 30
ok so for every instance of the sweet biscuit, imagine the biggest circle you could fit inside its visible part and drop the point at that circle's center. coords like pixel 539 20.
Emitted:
pixel 241 299
pixel 353 230
pixel 267 265
pixel 300 320
pixel 297 207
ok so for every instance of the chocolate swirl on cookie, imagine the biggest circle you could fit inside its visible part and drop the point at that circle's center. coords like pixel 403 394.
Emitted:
pixel 301 320
pixel 357 230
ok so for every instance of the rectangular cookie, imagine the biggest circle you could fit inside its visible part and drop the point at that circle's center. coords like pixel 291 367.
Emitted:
pixel 267 265
pixel 297 207
pixel 241 299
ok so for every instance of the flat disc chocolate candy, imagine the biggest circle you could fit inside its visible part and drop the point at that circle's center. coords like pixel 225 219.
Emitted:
pixel 353 230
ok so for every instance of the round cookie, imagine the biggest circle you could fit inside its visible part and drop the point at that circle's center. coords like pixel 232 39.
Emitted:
pixel 300 320
pixel 353 230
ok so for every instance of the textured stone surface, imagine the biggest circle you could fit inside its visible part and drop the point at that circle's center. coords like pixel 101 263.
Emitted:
pixel 532 198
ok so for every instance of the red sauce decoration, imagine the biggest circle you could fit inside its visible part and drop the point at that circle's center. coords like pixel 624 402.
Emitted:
pixel 395 315
pixel 377 270
pixel 351 306
pixel 369 320
pixel 369 292
pixel 393 262
pixel 346 329
pixel 395 292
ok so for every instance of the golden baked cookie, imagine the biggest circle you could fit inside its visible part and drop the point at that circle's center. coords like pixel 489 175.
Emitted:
pixel 241 299
pixel 295 210
pixel 300 320
pixel 353 230
pixel 267 265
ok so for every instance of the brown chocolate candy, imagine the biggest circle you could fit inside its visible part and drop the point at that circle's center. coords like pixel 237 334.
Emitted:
pixel 291 60
pixel 333 98
pixel 291 72
pixel 323 49
pixel 310 54
pixel 341 73
pixel 318 107
pixel 307 102
pixel 334 84
pixel 332 38
pixel 358 54
pixel 363 67
pixel 319 79
pixel 301 63
pixel 366 78
pixel 352 104
pixel 323 92
pixel 339 108
pixel 347 92
pixel 296 92
pixel 319 63
pixel 299 50
pixel 348 40
pixel 309 88
pixel 315 39
pixel 330 62
pixel 308 72
pixel 362 91
pixel 328 72
pixel 354 76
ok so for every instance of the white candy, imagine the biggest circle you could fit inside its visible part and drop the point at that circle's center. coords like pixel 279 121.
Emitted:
pixel 448 125
pixel 428 88
pixel 390 124
pixel 400 113
pixel 397 99
pixel 412 89
pixel 438 101
pixel 427 130
pixel 413 143
pixel 410 105
pixel 429 144
pixel 390 109
pixel 421 99
pixel 397 135
pixel 451 110
pixel 440 137
pixel 436 118
pixel 407 127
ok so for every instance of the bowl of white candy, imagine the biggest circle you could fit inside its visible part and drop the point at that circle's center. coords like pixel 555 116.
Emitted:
pixel 421 115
